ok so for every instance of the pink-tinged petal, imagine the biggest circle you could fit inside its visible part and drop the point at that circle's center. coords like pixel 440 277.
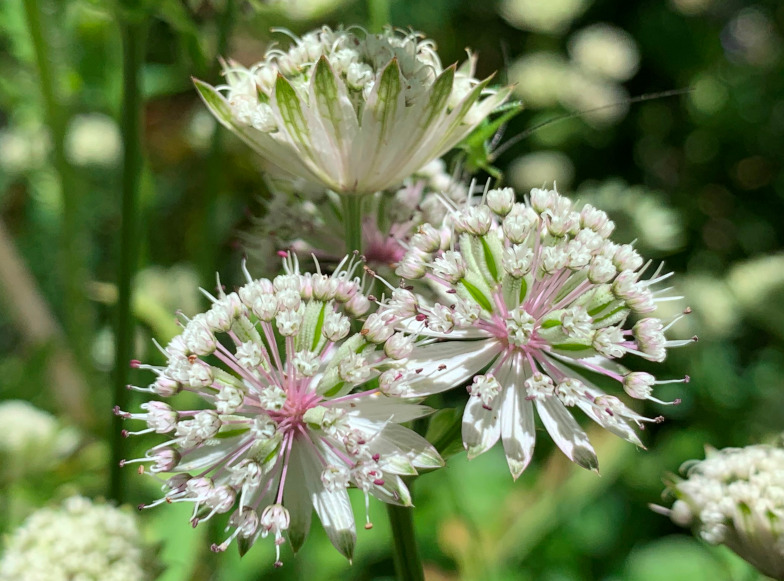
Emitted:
pixel 442 366
pixel 518 430
pixel 567 433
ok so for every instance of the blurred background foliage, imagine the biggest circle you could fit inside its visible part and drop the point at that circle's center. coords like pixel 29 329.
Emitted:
pixel 695 179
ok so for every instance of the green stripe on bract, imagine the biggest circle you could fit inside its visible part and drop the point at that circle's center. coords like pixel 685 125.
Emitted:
pixel 571 347
pixel 319 326
pixel 478 296
pixel 388 90
pixel 326 89
pixel 291 112
pixel 489 258
pixel 440 93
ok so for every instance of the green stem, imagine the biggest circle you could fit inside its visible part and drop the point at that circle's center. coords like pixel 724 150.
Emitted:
pixel 132 32
pixel 72 248
pixel 352 222
pixel 407 562
pixel 208 235
pixel 379 15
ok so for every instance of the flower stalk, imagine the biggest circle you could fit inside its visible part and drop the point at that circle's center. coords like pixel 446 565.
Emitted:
pixel 352 221
pixel 408 564
pixel 132 34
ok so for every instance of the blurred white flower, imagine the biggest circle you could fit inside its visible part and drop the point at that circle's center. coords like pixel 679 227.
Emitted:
pixel 93 139
pixel 536 169
pixel 31 439
pixel 735 497
pixel 539 77
pixel 606 51
pixel 752 281
pixel 295 416
pixel 304 9
pixel 22 149
pixel 81 540
pixel 551 17
pixel 640 214
pixel 536 297
pixel 353 111
pixel 584 92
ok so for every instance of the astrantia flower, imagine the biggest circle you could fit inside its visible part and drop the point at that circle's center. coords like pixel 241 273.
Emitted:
pixel 537 296
pixel 353 111
pixel 295 416
pixel 313 224
pixel 80 540
pixel 735 497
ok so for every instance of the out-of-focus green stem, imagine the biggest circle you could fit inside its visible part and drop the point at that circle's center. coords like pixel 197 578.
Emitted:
pixel 208 251
pixel 132 33
pixel 379 14
pixel 352 222
pixel 408 565
pixel 71 246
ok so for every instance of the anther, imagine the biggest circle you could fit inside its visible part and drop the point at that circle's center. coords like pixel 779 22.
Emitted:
pixel 135 363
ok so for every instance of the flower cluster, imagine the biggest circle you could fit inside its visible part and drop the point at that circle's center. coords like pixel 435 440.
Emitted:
pixel 534 304
pixel 80 540
pixel 295 414
pixel 353 111
pixel 735 497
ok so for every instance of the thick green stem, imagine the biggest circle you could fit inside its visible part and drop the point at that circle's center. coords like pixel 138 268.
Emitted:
pixel 379 15
pixel 71 247
pixel 407 562
pixel 352 222
pixel 132 32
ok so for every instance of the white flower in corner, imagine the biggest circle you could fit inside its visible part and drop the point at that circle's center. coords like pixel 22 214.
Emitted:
pixel 535 297
pixel 353 111
pixel 735 497
pixel 293 414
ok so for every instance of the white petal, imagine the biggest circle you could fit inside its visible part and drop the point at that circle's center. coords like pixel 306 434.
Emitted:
pixel 379 407
pixel 419 451
pixel 481 427
pixel 567 433
pixel 333 508
pixel 518 430
pixel 450 364
pixel 394 491
pixel 296 498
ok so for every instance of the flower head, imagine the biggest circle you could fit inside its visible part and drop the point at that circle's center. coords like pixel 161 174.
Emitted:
pixel 735 497
pixel 534 299
pixel 293 417
pixel 308 225
pixel 353 111
pixel 80 540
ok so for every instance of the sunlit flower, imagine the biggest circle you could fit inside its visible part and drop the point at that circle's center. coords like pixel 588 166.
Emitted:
pixel 535 305
pixel 552 17
pixel 735 497
pixel 80 540
pixel 294 413
pixel 353 111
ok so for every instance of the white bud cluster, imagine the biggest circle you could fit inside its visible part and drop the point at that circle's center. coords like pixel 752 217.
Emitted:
pixel 735 497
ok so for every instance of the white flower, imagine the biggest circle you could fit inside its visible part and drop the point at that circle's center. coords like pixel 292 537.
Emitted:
pixel 544 299
pixel 735 497
pixel 353 111
pixel 605 50
pixel 80 540
pixel 295 421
